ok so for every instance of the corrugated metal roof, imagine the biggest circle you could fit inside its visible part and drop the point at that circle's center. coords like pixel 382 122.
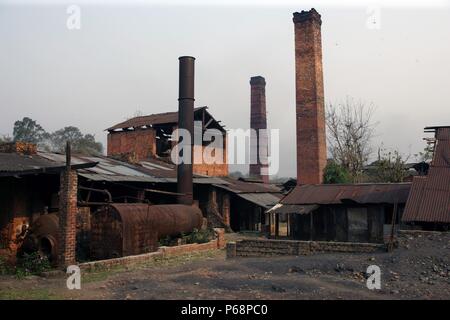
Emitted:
pixel 20 164
pixel 292 208
pixel 238 186
pixel 158 118
pixel 112 170
pixel 429 200
pixel 442 154
pixel 340 193
pixel 119 178
pixel 106 166
pixel 266 200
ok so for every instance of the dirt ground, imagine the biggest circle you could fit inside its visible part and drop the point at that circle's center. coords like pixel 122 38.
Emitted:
pixel 418 269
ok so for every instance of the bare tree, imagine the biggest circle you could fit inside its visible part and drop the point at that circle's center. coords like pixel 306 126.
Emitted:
pixel 350 130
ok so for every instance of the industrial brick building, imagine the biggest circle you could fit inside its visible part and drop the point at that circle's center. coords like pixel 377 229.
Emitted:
pixel 149 136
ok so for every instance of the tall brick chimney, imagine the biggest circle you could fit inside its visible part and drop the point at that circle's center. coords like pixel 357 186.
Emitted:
pixel 258 121
pixel 311 141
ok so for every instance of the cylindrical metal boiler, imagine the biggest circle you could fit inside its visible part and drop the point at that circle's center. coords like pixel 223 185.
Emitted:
pixel 128 229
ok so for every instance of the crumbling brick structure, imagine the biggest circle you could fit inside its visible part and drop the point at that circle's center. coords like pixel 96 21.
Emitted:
pixel 258 121
pixel 311 140
pixel 141 138
pixel 18 147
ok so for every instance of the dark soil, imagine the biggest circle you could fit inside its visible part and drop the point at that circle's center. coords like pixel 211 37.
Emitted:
pixel 418 269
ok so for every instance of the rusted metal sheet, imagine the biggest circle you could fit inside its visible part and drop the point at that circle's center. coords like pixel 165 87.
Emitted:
pixel 442 153
pixel 341 193
pixel 130 229
pixel 429 200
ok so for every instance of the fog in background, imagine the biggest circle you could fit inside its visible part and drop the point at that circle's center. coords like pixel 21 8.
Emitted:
pixel 124 59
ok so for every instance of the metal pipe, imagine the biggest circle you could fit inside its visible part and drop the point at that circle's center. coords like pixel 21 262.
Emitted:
pixel 68 155
pixel 186 122
pixel 98 190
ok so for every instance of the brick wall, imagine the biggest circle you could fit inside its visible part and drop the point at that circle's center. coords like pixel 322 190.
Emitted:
pixel 140 143
pixel 310 109
pixel 67 218
pixel 18 147
pixel 162 252
pixel 214 169
pixel 261 248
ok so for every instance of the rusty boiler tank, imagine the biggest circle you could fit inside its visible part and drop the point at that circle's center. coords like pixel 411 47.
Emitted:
pixel 122 229
pixel 42 237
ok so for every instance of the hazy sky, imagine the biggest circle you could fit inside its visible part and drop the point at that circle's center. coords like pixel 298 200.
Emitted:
pixel 125 58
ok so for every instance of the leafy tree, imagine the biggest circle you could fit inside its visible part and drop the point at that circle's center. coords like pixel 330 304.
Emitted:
pixel 350 130
pixel 427 154
pixel 80 143
pixel 28 130
pixel 335 173
pixel 390 167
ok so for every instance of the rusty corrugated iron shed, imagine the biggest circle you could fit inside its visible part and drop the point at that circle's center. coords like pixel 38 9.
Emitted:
pixel 429 200
pixel 365 193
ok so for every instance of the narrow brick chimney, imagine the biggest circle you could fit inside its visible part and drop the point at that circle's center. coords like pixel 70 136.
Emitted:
pixel 258 121
pixel 67 213
pixel 311 141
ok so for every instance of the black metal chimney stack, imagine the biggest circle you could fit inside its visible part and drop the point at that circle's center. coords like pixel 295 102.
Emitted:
pixel 186 121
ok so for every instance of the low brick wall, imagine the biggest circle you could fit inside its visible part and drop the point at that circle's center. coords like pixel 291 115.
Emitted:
pixel 218 243
pixel 262 248
pixel 187 248
pixel 122 261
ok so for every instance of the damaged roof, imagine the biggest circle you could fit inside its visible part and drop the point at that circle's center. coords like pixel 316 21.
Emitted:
pixel 429 199
pixel 162 118
pixel 365 193
pixel 15 164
